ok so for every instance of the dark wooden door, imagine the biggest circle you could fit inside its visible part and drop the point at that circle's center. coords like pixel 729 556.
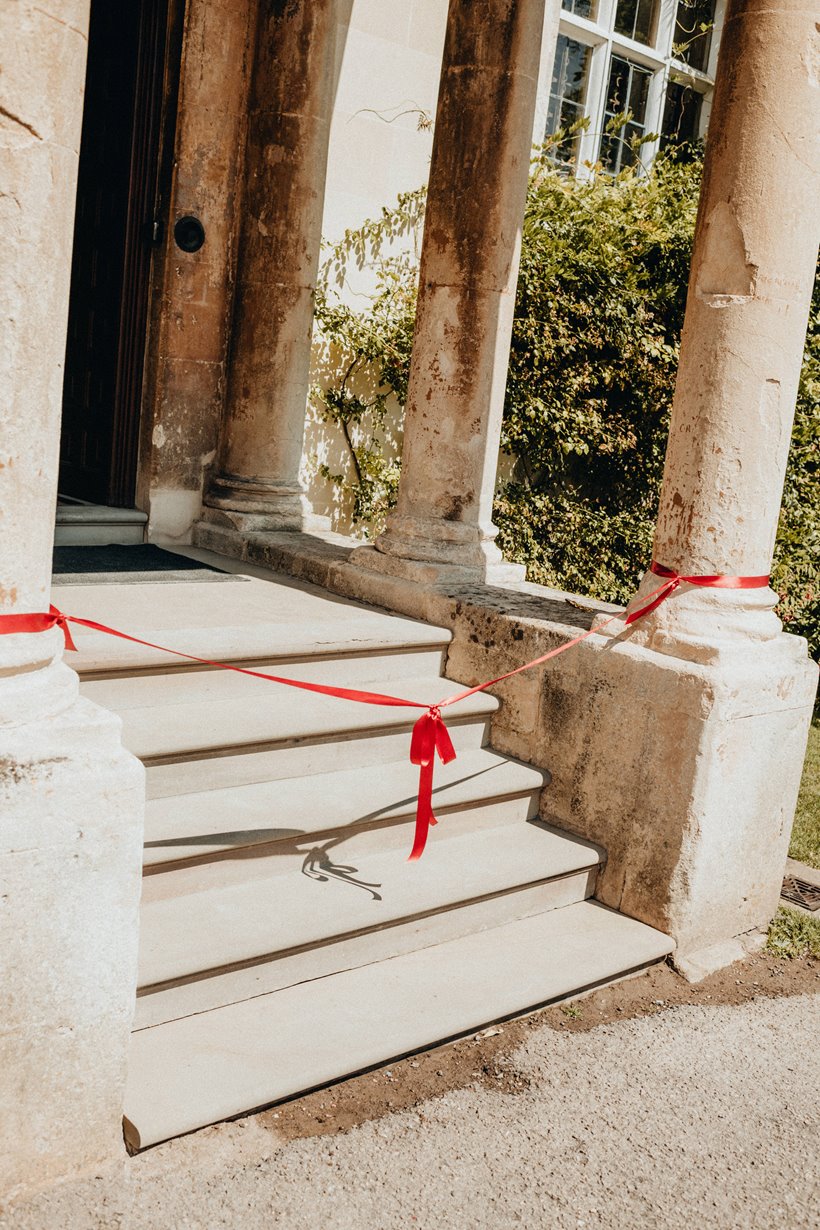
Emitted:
pixel 117 193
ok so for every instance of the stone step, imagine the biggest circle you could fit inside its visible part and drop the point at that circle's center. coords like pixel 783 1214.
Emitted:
pixel 267 715
pixel 248 621
pixel 325 753
pixel 329 854
pixel 315 897
pixel 214 1065
pixel 205 824
pixel 91 525
pixel 169 1003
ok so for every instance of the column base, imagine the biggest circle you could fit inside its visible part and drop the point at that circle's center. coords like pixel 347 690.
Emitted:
pixel 248 505
pixel 71 830
pixel 428 572
pixel 433 550
pixel 702 625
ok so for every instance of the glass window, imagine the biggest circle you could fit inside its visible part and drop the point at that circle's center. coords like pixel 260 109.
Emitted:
pixel 627 91
pixel 636 19
pixel 694 22
pixel 568 91
pixel 681 115
pixel 581 8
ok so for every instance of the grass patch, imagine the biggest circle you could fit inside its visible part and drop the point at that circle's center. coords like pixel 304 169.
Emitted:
pixel 805 843
pixel 793 934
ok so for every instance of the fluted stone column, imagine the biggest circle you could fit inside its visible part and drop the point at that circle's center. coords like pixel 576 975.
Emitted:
pixel 70 798
pixel 469 269
pixel 257 474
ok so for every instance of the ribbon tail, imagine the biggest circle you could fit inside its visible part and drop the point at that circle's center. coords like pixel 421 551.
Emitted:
pixel 424 811
pixel 444 744
pixel 62 622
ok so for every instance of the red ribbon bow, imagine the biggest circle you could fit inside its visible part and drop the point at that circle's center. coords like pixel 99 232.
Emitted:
pixel 430 736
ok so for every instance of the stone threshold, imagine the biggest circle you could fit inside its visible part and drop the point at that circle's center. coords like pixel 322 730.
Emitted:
pixel 78 523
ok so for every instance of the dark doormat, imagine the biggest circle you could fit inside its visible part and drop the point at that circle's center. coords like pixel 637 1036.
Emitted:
pixel 143 562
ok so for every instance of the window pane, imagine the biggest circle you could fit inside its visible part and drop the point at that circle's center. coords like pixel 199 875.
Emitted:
pixel 581 8
pixel 576 71
pixel 627 91
pixel 570 74
pixel 693 32
pixel 609 153
pixel 636 19
pixel 625 16
pixel 645 22
pixel 638 94
pixel 681 115
pixel 617 94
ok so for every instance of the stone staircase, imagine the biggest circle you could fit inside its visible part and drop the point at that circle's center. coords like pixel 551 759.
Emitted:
pixel 285 940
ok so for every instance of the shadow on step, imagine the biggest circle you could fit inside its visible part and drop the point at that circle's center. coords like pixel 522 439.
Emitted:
pixel 319 866
pixel 264 842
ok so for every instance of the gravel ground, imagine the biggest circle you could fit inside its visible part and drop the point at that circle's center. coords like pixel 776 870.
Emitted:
pixel 695 1117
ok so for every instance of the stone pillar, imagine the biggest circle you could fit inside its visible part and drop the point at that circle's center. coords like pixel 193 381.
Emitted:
pixel 70 797
pixel 469 270
pixel 752 275
pixel 257 481
pixel 184 387
pixel 684 737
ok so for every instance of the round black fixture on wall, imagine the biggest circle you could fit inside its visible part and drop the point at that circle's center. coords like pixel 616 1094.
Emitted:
pixel 189 233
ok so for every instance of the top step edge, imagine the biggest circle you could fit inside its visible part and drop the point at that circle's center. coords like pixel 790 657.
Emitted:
pixel 151 662
pixel 97 514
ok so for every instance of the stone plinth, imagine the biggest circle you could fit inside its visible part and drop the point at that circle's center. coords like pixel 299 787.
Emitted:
pixel 71 802
pixel 686 773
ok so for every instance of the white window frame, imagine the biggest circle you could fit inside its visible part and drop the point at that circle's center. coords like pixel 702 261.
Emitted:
pixel 601 38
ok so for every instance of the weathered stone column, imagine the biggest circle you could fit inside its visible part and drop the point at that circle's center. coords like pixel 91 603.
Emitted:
pixel 469 269
pixel 257 479
pixel 70 797
pixel 682 739
pixel 751 281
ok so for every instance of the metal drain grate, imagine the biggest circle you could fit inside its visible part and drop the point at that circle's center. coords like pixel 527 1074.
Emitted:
pixel 801 893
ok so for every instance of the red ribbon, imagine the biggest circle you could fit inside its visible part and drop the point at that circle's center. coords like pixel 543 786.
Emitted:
pixel 674 579
pixel 430 736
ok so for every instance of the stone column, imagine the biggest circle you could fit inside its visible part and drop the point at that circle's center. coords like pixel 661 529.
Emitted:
pixel 683 738
pixel 257 481
pixel 469 270
pixel 752 275
pixel 70 797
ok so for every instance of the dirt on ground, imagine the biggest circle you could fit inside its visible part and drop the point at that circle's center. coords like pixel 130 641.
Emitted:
pixel 673 1106
pixel 482 1059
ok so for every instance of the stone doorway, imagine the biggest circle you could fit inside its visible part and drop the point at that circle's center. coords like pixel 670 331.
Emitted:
pixel 120 191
